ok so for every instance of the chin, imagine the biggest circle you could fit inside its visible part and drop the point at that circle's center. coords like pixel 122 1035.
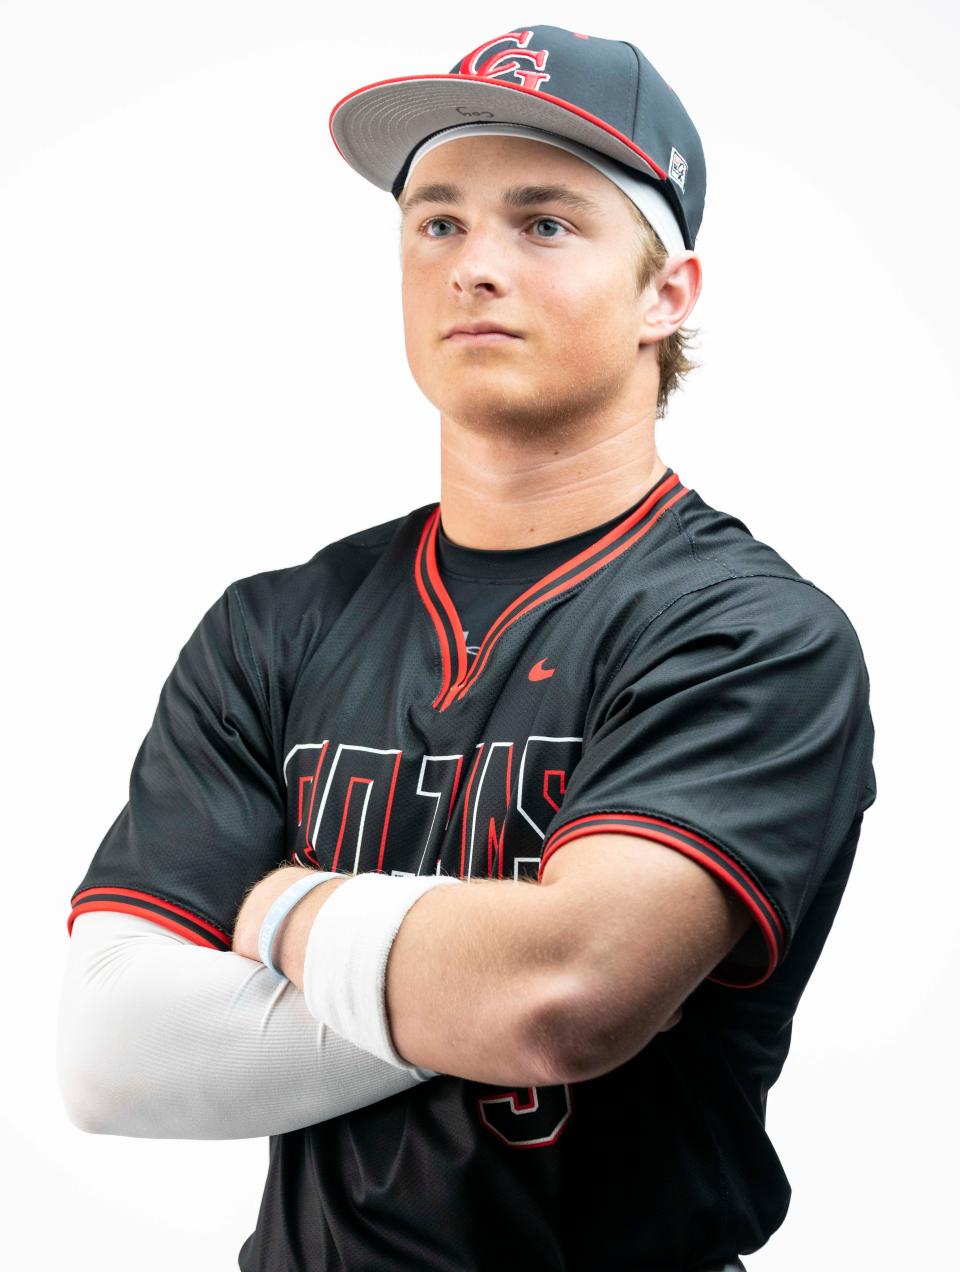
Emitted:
pixel 476 396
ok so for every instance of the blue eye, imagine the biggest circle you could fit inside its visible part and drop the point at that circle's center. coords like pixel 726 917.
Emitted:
pixel 537 221
pixel 432 221
pixel 549 220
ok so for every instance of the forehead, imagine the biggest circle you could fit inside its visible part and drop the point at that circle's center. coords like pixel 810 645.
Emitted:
pixel 515 196
pixel 515 171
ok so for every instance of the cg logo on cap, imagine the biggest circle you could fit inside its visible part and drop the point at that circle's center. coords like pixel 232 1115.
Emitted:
pixel 498 64
pixel 602 98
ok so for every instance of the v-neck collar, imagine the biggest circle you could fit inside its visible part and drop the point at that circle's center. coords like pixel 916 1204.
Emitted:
pixel 507 566
pixel 458 672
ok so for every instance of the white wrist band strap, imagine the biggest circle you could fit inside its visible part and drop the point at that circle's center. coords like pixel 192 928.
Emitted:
pixel 345 966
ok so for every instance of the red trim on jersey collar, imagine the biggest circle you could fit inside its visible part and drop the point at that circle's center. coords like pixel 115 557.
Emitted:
pixel 446 621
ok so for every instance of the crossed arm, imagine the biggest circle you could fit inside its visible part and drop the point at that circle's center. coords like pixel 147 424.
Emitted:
pixel 161 1038
pixel 511 983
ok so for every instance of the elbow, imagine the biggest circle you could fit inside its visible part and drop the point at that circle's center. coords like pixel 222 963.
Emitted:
pixel 100 1092
pixel 100 1101
pixel 84 1100
pixel 84 1066
pixel 580 1035
pixel 565 1038
pixel 83 1109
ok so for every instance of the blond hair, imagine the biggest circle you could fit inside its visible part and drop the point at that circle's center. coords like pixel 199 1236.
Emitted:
pixel 671 350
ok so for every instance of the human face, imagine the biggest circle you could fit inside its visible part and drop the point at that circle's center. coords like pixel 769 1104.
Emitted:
pixel 560 274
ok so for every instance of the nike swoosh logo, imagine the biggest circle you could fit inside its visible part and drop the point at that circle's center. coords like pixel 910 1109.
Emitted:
pixel 539 672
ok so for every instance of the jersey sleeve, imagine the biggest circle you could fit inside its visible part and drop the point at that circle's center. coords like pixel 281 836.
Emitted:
pixel 737 731
pixel 205 815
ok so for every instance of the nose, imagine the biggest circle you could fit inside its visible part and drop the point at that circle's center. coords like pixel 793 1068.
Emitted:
pixel 478 263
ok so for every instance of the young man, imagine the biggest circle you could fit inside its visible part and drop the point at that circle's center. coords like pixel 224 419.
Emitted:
pixel 539 800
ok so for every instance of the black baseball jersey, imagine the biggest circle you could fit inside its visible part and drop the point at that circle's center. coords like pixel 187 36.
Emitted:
pixel 665 675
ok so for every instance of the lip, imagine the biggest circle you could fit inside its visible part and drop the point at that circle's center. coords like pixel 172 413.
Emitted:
pixel 480 337
pixel 481 329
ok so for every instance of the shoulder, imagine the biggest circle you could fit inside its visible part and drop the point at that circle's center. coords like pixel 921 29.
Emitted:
pixel 711 588
pixel 274 616
pixel 320 585
pixel 733 574
pixel 757 616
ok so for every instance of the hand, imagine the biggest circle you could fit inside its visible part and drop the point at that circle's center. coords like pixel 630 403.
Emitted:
pixel 253 910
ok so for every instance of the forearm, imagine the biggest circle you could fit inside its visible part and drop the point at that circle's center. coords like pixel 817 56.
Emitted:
pixel 161 1038
pixel 477 979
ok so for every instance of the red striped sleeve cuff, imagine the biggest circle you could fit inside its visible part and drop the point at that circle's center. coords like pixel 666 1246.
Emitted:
pixel 132 901
pixel 707 854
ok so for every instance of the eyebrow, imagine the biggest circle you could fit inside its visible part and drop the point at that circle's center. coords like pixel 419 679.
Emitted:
pixel 519 196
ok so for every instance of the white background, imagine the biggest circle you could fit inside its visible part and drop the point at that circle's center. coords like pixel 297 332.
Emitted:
pixel 202 376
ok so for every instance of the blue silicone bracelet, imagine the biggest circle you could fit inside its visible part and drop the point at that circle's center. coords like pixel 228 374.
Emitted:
pixel 274 917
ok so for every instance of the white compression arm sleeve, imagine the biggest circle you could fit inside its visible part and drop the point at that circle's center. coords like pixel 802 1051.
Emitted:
pixel 161 1038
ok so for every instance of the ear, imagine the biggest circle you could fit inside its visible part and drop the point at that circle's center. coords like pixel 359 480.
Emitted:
pixel 670 296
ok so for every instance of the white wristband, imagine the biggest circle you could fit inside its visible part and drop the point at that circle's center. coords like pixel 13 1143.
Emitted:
pixel 345 966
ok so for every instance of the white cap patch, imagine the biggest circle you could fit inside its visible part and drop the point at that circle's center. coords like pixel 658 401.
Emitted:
pixel 678 167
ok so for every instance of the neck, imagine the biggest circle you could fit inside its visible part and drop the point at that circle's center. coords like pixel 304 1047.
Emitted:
pixel 498 493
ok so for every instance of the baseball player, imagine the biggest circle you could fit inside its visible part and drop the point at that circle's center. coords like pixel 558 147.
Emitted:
pixel 541 798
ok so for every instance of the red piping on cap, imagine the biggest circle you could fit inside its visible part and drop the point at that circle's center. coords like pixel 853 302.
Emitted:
pixel 514 88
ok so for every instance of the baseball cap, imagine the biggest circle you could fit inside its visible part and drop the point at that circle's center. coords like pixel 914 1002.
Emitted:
pixel 603 97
